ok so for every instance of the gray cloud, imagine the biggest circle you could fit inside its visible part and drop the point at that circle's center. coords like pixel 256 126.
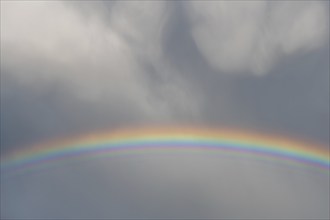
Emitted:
pixel 250 36
pixel 206 185
pixel 74 67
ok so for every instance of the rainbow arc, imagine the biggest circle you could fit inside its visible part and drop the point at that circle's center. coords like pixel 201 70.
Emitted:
pixel 172 139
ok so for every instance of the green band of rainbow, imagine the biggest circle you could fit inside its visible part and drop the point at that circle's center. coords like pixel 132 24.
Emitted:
pixel 172 138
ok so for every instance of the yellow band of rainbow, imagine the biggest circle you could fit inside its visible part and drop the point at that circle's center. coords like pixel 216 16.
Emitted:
pixel 172 138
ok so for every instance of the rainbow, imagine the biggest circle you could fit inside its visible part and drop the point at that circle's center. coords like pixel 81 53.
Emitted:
pixel 165 139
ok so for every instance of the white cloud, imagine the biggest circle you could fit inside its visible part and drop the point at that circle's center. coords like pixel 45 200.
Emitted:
pixel 252 36
pixel 46 42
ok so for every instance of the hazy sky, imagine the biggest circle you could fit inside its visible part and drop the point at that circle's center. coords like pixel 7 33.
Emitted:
pixel 75 67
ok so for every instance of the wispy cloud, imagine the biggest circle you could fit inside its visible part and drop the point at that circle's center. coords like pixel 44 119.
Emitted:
pixel 252 36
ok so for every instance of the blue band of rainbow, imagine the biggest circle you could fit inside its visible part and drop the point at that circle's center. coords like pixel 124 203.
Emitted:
pixel 172 138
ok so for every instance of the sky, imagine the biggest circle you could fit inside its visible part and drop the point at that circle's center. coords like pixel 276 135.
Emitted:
pixel 75 67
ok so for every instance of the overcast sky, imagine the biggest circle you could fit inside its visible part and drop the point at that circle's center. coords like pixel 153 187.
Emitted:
pixel 75 67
